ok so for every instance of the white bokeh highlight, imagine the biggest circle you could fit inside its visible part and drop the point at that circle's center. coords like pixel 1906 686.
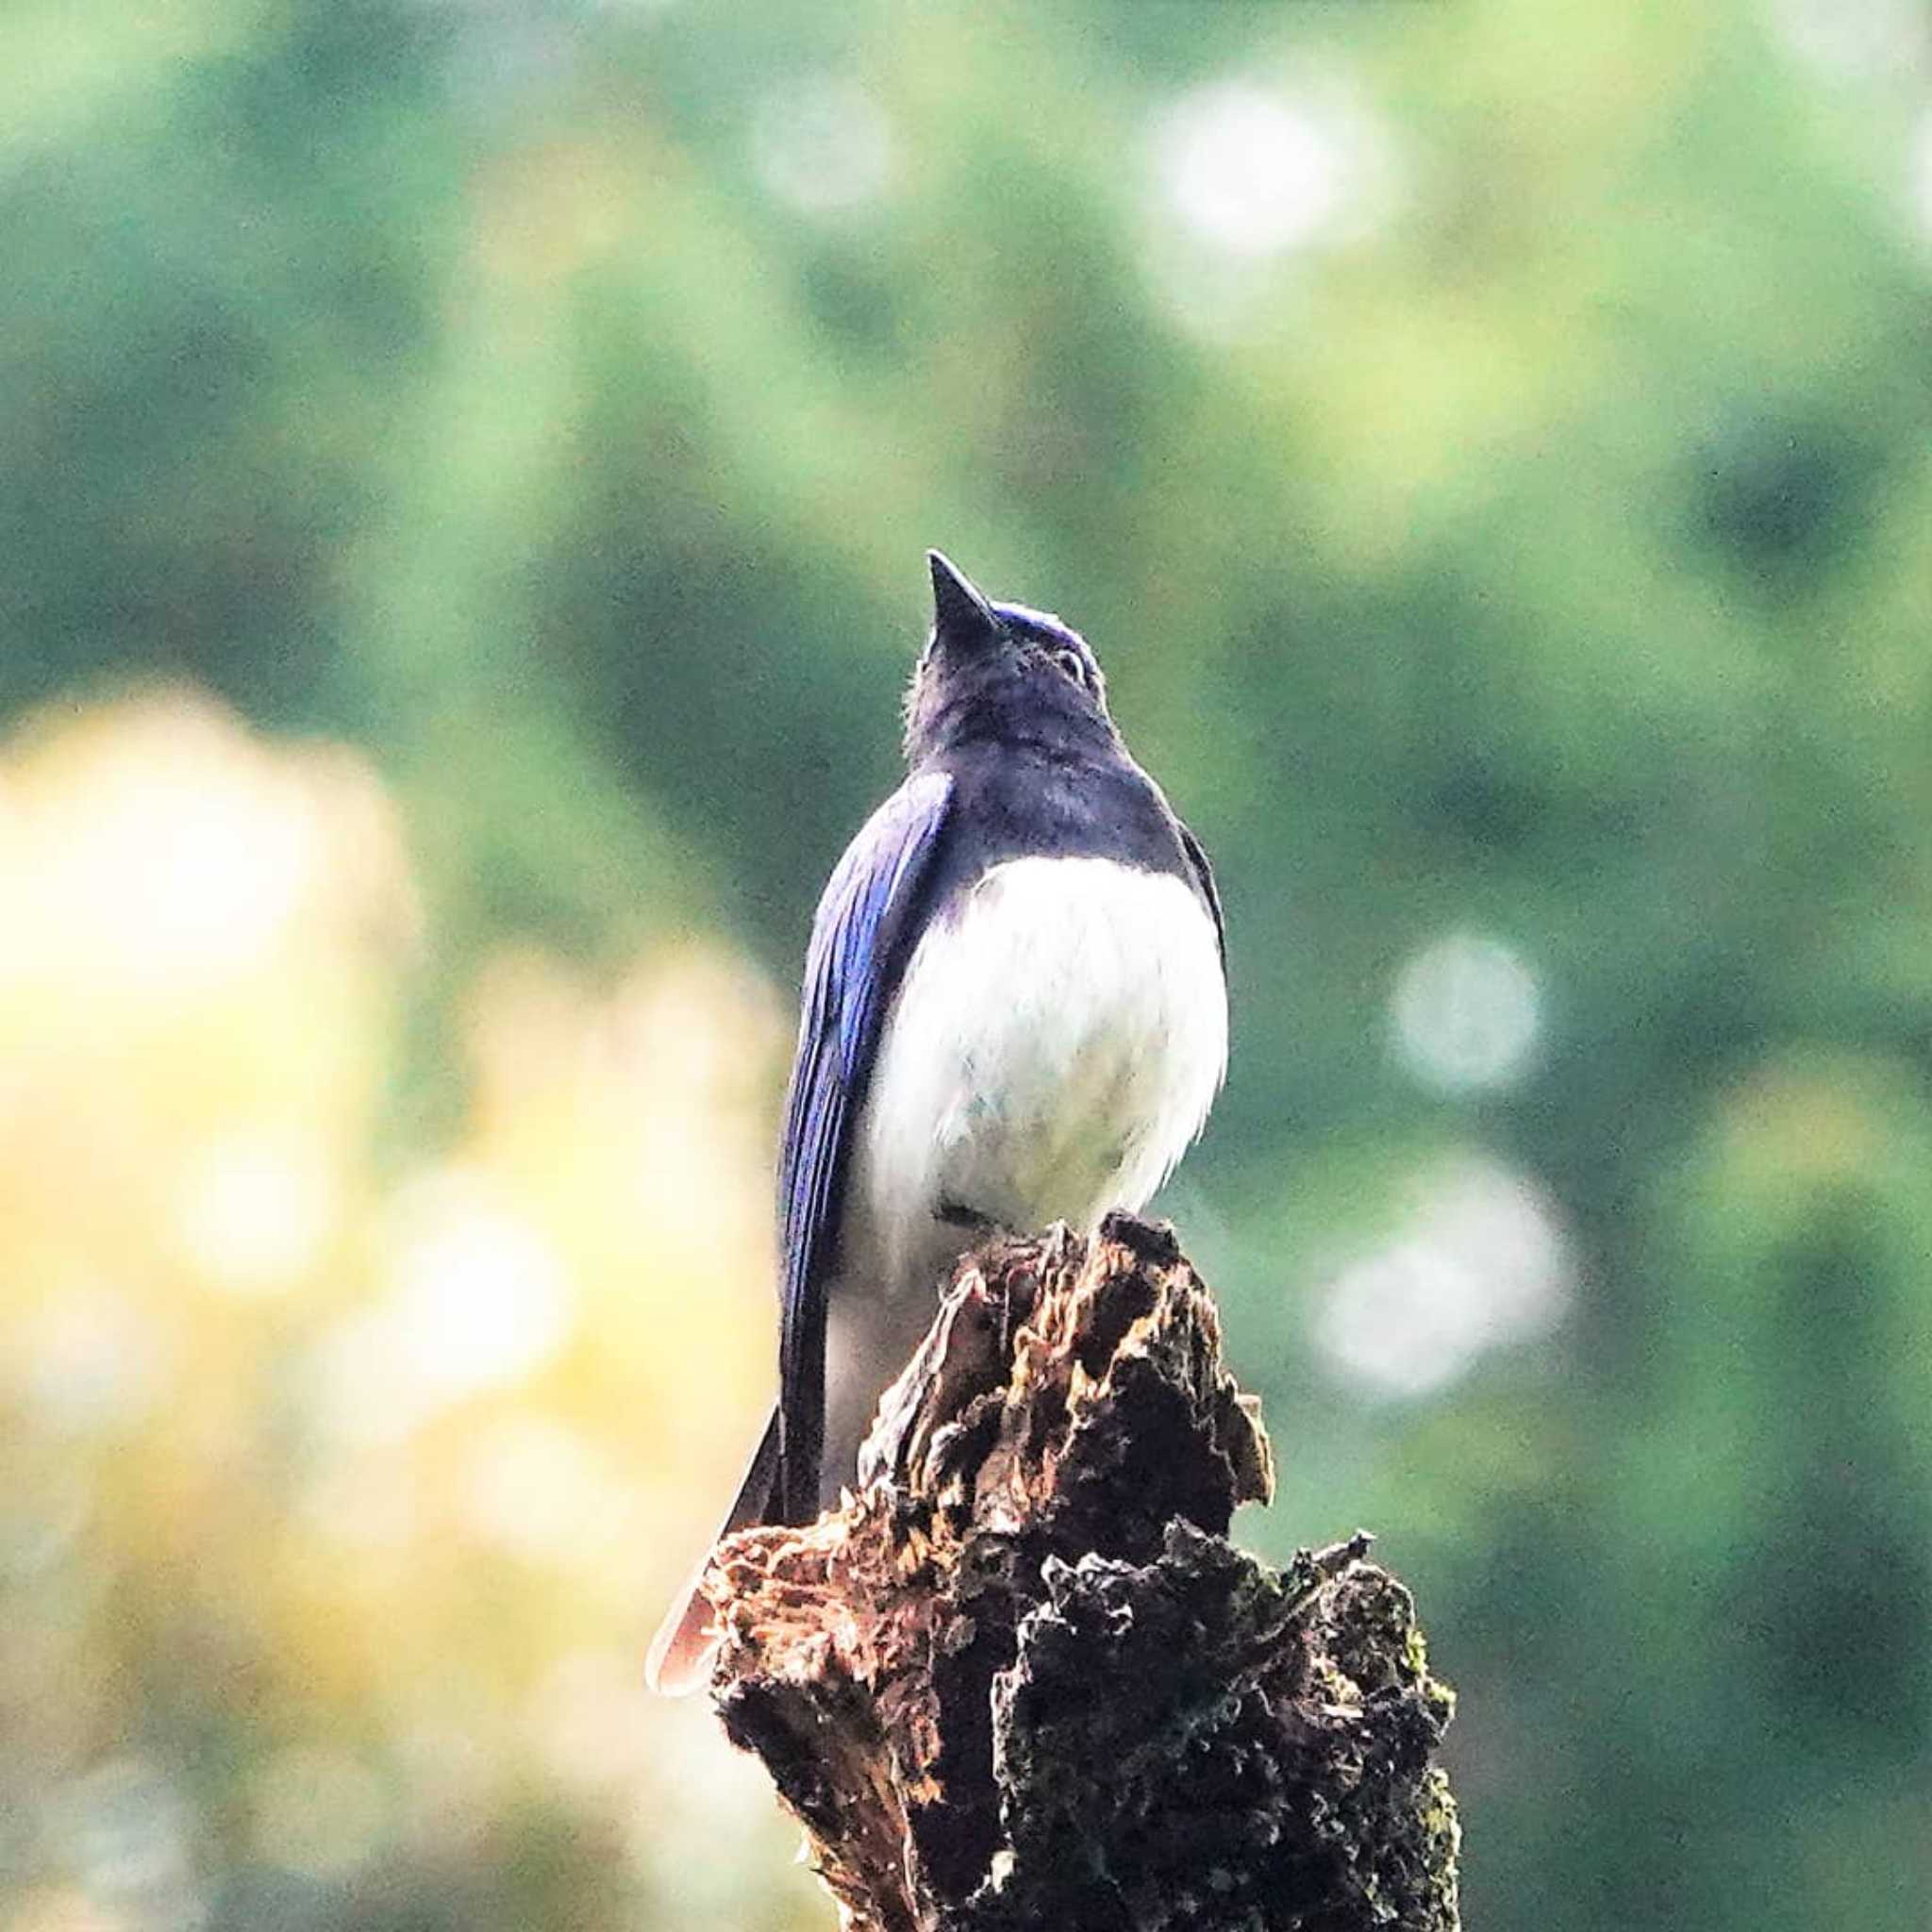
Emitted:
pixel 1853 39
pixel 823 147
pixel 126 1831
pixel 91 1361
pixel 1466 1013
pixel 1481 1263
pixel 1248 171
pixel 255 1210
pixel 479 1299
pixel 1247 176
pixel 1919 175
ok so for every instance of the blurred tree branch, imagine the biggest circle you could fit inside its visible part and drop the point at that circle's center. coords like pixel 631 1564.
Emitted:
pixel 1023 1680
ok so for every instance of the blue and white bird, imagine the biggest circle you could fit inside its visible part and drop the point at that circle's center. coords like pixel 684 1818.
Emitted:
pixel 1014 1013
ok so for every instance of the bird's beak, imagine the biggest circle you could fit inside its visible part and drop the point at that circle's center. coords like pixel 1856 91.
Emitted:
pixel 960 616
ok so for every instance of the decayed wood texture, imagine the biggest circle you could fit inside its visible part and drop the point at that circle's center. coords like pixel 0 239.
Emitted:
pixel 1022 1680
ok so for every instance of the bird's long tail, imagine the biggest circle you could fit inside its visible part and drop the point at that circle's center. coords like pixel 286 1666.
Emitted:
pixel 679 1658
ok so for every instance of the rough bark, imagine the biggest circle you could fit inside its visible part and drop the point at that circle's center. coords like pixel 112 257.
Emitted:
pixel 1023 1680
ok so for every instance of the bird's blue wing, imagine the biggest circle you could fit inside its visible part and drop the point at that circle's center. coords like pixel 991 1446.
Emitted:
pixel 863 930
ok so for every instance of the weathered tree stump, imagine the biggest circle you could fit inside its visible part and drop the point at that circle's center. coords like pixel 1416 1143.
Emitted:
pixel 1022 1680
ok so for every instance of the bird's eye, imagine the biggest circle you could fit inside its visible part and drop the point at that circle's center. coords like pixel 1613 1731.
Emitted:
pixel 1069 661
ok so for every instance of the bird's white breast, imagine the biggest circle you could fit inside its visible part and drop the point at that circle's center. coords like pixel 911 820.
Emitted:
pixel 1055 1043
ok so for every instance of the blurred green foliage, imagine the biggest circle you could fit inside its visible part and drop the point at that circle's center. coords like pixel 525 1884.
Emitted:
pixel 1491 450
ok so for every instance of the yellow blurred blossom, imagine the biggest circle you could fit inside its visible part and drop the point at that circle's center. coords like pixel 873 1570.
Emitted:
pixel 393 1464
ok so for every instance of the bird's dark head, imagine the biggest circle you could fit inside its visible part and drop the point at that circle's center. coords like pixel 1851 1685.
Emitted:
pixel 1001 672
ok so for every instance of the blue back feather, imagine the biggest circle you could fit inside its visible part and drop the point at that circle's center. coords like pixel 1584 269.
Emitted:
pixel 860 938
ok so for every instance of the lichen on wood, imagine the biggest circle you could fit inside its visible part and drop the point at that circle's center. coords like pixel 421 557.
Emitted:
pixel 1021 1679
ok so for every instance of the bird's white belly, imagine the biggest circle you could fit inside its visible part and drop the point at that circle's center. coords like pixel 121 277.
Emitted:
pixel 1055 1045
